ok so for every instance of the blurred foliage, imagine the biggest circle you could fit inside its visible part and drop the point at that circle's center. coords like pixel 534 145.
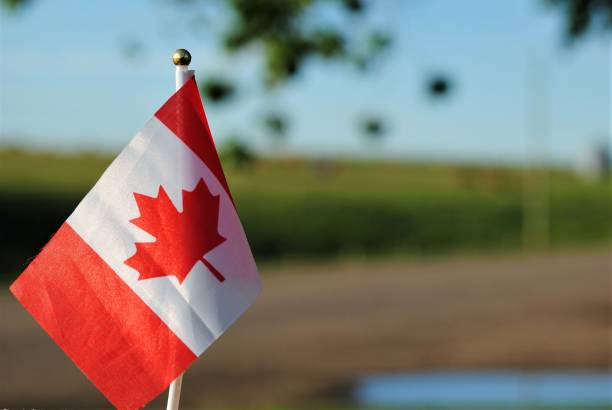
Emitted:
pixel 581 16
pixel 372 49
pixel 236 154
pixel 13 5
pixel 287 209
pixel 373 127
pixel 132 49
pixel 289 38
pixel 277 124
pixel 217 89
pixel 354 6
pixel 266 21
pixel 439 86
pixel 287 35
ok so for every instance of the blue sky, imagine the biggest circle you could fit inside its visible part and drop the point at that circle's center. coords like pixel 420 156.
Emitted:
pixel 64 83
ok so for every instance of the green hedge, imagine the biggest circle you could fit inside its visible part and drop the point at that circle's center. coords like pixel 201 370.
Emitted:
pixel 292 210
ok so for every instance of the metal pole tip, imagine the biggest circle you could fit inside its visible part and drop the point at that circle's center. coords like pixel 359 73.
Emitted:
pixel 181 57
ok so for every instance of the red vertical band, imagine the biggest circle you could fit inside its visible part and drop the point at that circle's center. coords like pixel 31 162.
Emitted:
pixel 184 115
pixel 120 344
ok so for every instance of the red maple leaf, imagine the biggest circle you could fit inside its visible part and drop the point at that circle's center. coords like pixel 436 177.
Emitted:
pixel 182 238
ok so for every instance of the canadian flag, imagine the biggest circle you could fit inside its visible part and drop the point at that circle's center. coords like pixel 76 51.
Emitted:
pixel 152 266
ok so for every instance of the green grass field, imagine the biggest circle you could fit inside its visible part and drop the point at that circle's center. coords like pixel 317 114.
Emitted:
pixel 303 209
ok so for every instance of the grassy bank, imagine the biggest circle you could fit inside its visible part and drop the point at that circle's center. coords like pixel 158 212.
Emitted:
pixel 298 208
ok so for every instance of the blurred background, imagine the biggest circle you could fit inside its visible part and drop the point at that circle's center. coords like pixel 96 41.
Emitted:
pixel 425 186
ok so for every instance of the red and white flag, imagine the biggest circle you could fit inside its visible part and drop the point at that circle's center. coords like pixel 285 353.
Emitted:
pixel 152 266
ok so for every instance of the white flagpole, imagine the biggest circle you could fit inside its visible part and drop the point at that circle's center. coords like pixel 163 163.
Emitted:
pixel 181 59
pixel 174 393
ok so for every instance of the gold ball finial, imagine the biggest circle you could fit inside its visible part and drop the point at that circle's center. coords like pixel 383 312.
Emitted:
pixel 181 57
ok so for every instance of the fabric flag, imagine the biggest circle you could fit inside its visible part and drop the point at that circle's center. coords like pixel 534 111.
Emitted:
pixel 152 266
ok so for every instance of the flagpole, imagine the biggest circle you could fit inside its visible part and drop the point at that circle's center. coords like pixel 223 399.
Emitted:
pixel 181 59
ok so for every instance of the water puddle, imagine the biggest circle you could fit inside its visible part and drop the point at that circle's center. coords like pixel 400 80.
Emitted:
pixel 578 389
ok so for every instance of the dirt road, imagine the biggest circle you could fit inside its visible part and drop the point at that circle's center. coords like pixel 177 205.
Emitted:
pixel 315 328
